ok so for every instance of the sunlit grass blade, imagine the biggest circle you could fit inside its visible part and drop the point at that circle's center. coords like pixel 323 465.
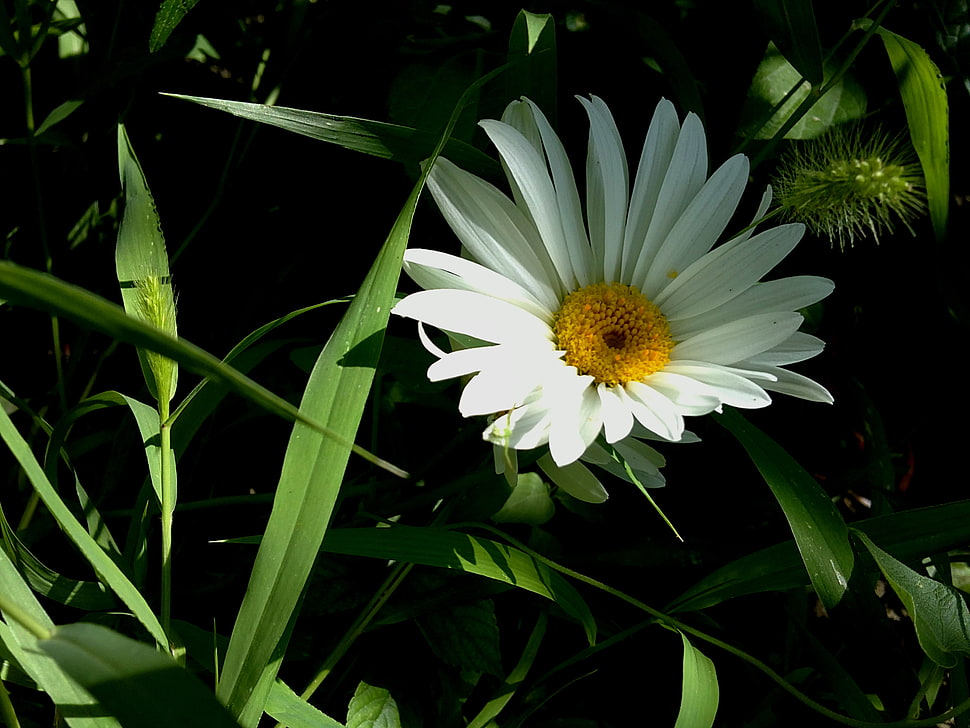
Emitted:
pixel 21 643
pixel 289 709
pixel 377 138
pixel 928 117
pixel 820 533
pixel 133 682
pixel 102 564
pixel 313 469
pixel 169 15
pixel 700 693
pixel 27 287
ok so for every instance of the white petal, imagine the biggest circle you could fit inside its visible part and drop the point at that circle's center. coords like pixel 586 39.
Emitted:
pixel 494 230
pixel 576 479
pixel 433 269
pixel 690 396
pixel 724 274
pixel 797 347
pixel 474 314
pixel 617 417
pixel 607 189
pixel 658 148
pixel 570 208
pixel 739 339
pixel 653 410
pixel 683 178
pixel 527 170
pixel 576 422
pixel 698 227
pixel 495 390
pixel 784 294
pixel 797 385
pixel 731 387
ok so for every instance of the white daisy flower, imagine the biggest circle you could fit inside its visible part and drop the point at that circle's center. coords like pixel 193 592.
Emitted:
pixel 617 326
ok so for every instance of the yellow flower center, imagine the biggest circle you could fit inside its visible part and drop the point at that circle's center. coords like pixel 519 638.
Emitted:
pixel 613 332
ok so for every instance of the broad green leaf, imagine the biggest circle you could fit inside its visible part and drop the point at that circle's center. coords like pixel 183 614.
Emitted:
pixel 169 15
pixel 927 115
pixel 464 636
pixel 372 707
pixel 34 289
pixel 939 613
pixel 141 264
pixel 791 26
pixel 532 61
pixel 102 564
pixel 700 693
pixel 313 469
pixel 389 141
pixel 774 79
pixel 908 535
pixel 820 533
pixel 529 502
pixel 45 672
pixel 136 683
pixel 286 707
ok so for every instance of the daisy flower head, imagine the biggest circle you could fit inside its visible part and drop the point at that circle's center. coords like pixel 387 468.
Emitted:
pixel 614 325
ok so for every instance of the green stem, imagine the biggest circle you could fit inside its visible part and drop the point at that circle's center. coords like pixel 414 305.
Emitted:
pixel 167 509
pixel 669 621
pixel 13 612
pixel 7 713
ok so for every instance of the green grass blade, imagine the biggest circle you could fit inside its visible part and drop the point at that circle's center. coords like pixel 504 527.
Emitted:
pixel 106 569
pixel 34 289
pixel 532 61
pixel 820 533
pixel 699 698
pixel 377 138
pixel 927 115
pixel 135 683
pixel 791 25
pixel 288 708
pixel 169 15
pixel 22 645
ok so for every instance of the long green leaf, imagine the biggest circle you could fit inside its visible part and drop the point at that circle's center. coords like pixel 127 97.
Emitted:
pixel 170 14
pixel 908 535
pixel 532 61
pixel 820 533
pixel 135 683
pixel 927 115
pixel 288 708
pixel 313 468
pixel 377 138
pixel 791 25
pixel 700 692
pixel 939 613
pixel 34 289
pixel 45 672
pixel 106 569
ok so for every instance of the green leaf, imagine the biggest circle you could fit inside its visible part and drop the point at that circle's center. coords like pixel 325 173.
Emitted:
pixel 34 289
pixel 465 636
pixel 389 141
pixel 532 61
pixel 700 693
pixel 772 83
pixel 529 502
pixel 135 683
pixel 169 15
pixel 908 535
pixel 820 533
pixel 939 613
pixel 141 264
pixel 453 550
pixel 61 112
pixel 85 712
pixel 927 115
pixel 106 569
pixel 288 708
pixel 372 707
pixel 792 28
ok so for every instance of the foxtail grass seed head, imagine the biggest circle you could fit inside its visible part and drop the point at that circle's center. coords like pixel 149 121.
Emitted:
pixel 156 305
pixel 850 183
